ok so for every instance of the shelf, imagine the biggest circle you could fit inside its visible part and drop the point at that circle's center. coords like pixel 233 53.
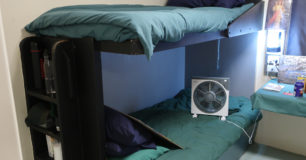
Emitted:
pixel 41 96
pixel 49 132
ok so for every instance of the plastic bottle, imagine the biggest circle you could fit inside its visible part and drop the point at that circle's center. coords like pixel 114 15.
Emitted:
pixel 49 77
pixel 299 88
pixel 38 75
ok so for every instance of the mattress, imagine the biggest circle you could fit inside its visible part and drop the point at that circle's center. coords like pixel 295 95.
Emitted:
pixel 149 24
pixel 205 137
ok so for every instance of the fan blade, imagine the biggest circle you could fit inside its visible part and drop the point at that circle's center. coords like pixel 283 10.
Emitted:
pixel 211 107
pixel 217 105
pixel 209 86
pixel 218 102
pixel 215 87
pixel 201 99
pixel 204 104
pixel 204 86
pixel 221 97
pixel 200 90
pixel 219 91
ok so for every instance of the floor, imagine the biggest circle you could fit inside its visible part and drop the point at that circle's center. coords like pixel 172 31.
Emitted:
pixel 262 152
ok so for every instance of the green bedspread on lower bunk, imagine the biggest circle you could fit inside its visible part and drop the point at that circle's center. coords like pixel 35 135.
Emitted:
pixel 205 137
pixel 150 24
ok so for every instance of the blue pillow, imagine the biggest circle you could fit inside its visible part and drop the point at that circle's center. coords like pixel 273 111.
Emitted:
pixel 229 3
pixel 118 150
pixel 205 3
pixel 123 136
pixel 190 3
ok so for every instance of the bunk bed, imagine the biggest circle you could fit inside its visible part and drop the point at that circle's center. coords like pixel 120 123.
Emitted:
pixel 77 64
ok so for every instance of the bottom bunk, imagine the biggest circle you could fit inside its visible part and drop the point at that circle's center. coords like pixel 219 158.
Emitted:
pixel 205 137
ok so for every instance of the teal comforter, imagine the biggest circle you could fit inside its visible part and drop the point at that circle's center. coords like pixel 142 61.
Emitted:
pixel 150 24
pixel 203 138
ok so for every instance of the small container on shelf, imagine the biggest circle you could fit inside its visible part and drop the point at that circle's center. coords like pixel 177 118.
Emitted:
pixel 37 67
pixel 50 146
pixel 299 88
pixel 54 148
pixel 303 79
pixel 57 149
pixel 49 76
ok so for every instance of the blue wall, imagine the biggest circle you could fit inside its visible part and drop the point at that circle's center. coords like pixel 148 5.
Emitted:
pixel 237 61
pixel 132 82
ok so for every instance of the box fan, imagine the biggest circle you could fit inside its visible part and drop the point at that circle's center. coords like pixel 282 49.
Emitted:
pixel 210 96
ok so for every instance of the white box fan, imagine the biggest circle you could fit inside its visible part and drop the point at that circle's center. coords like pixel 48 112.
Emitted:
pixel 210 96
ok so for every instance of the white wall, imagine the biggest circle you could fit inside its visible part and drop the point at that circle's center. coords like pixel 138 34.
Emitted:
pixel 10 145
pixel 16 14
pixel 260 59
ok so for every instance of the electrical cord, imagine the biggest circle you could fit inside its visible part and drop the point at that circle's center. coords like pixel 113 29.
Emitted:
pixel 245 132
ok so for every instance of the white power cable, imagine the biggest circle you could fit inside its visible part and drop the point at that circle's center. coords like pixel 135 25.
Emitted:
pixel 245 132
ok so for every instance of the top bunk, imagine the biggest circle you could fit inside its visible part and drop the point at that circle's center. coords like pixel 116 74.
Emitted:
pixel 138 29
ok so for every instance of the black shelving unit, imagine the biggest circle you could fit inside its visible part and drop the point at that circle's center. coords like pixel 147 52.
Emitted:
pixel 65 101
pixel 50 132
pixel 37 94
pixel 43 156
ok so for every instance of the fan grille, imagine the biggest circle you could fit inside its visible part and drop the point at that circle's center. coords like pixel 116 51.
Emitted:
pixel 209 97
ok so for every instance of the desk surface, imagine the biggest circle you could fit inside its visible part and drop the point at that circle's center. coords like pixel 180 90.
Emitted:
pixel 279 102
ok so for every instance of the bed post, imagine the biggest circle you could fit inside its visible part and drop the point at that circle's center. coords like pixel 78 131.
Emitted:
pixel 90 96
